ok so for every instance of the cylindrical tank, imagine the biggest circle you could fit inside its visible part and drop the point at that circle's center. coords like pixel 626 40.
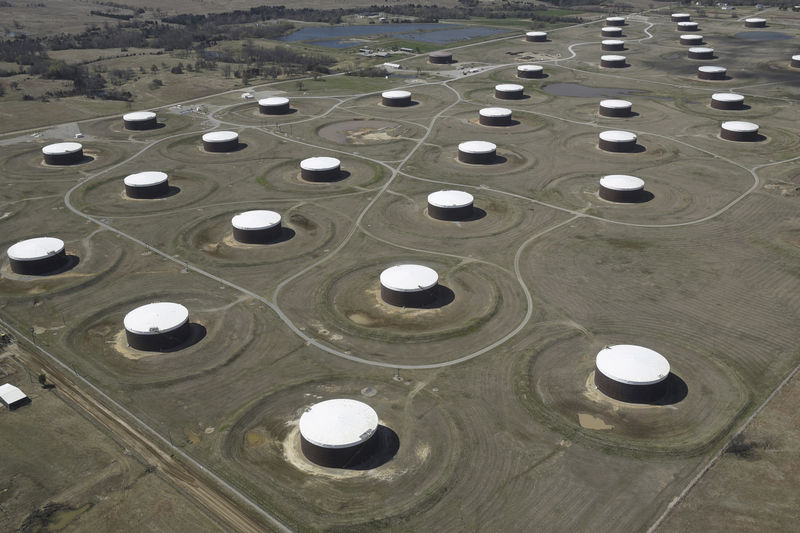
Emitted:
pixel 275 105
pixel 727 101
pixel 221 141
pixel 615 108
pixel 36 256
pixel 396 98
pixel 450 205
pixel 711 72
pixel 477 152
pixel 149 184
pixel 612 45
pixel 691 39
pixel 320 169
pixel 140 120
pixel 615 21
pixel 409 285
pixel 681 17
pixel 509 91
pixel 701 52
pixel 617 141
pixel 795 61
pixel 440 58
pixel 612 61
pixel 736 130
pixel 157 326
pixel 256 227
pixel 688 26
pixel 339 433
pixel 536 36
pixel 621 188
pixel 494 116
pixel 530 71
pixel 68 153
pixel 631 373
pixel 611 31
pixel 755 22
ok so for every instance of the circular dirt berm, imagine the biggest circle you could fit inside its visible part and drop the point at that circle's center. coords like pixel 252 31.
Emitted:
pixel 699 393
pixel 416 450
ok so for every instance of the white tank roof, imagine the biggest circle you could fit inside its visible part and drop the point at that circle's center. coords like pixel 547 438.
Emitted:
pixel 399 95
pixel 509 87
pixel 255 220
pixel 615 19
pixel 681 15
pixel 495 112
pixel 612 42
pixel 727 97
pixel 139 116
pixel 320 163
pixel 35 249
pixel 634 365
pixel 615 104
pixel 220 136
pixel 155 318
pixel 755 19
pixel 711 68
pixel 616 136
pixel 273 101
pixel 611 29
pixel 691 37
pixel 739 126
pixel 622 182
pixel 796 58
pixel 477 147
pixel 701 50
pixel 409 278
pixel 339 423
pixel 62 148
pixel 450 199
pixel 530 68
pixel 10 394
pixel 536 33
pixel 145 179
pixel 612 58
pixel 687 24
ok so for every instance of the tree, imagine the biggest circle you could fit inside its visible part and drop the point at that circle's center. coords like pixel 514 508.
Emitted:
pixel 300 85
pixel 43 379
pixel 226 70
pixel 153 68
pixel 2 90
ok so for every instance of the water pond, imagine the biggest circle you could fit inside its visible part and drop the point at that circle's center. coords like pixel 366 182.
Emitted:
pixel 763 36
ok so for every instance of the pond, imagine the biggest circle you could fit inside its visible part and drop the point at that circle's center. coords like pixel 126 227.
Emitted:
pixel 583 91
pixel 763 36
pixel 336 36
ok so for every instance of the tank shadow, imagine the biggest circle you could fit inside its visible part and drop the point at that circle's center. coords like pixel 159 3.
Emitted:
pixel 443 296
pixel 477 214
pixel 387 447
pixel 70 263
pixel 197 332
pixel 676 392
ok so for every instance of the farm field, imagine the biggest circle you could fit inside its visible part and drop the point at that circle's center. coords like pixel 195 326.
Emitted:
pixel 489 392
